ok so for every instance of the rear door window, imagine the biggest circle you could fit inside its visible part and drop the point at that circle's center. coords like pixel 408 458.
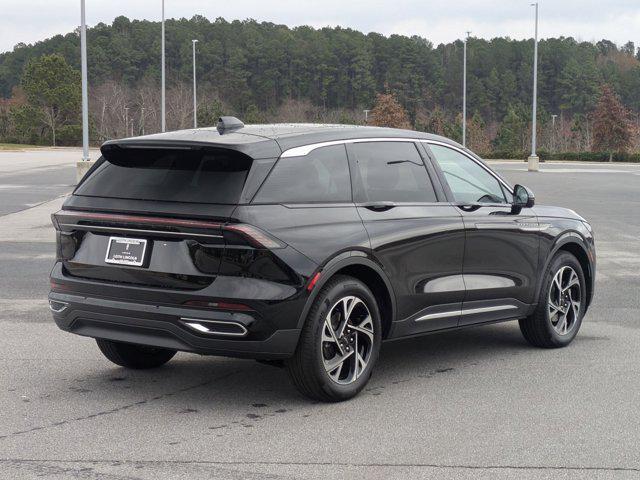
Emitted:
pixel 183 175
pixel 392 172
pixel 322 176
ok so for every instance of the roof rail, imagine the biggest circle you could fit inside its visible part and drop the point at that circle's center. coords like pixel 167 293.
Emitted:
pixel 228 124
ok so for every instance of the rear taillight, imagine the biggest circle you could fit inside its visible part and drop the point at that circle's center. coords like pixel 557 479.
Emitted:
pixel 64 216
pixel 234 233
pixel 67 244
pixel 252 235
pixel 54 220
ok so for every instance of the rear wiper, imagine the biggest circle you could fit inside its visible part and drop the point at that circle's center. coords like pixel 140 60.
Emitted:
pixel 396 162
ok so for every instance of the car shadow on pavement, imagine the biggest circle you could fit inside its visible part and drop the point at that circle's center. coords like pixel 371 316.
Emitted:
pixel 222 381
pixel 221 396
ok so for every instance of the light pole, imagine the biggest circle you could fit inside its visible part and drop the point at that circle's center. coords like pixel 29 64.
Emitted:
pixel 195 103
pixel 553 132
pixel 533 158
pixel 85 95
pixel 464 94
pixel 162 95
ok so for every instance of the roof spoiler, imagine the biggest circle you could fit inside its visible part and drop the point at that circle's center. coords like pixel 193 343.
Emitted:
pixel 228 124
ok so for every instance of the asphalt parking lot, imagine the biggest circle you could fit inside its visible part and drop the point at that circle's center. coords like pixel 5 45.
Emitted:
pixel 477 403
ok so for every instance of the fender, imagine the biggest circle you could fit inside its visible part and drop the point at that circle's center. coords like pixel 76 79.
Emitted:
pixel 571 236
pixel 340 261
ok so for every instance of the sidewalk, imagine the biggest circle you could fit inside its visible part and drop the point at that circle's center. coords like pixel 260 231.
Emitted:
pixel 32 225
pixel 12 161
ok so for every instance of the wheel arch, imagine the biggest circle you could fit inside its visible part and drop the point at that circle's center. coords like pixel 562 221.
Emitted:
pixel 368 272
pixel 573 243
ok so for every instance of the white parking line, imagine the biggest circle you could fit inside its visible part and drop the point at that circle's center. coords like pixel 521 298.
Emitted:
pixel 571 170
pixel 20 256
pixel 572 163
pixel 34 187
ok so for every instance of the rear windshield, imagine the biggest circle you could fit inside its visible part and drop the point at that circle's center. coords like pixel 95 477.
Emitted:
pixel 195 176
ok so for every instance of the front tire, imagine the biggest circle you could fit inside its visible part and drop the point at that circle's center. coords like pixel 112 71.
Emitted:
pixel 561 305
pixel 138 357
pixel 339 343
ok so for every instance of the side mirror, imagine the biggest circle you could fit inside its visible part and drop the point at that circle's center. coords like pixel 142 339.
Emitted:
pixel 523 197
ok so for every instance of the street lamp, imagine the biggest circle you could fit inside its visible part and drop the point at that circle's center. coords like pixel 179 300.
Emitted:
pixel 85 96
pixel 162 95
pixel 553 132
pixel 464 94
pixel 533 158
pixel 195 103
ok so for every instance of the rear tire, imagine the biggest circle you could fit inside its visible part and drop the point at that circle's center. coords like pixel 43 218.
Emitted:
pixel 339 343
pixel 561 305
pixel 139 357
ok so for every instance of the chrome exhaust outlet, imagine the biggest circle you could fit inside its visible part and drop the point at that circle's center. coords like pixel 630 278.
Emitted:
pixel 216 327
pixel 57 307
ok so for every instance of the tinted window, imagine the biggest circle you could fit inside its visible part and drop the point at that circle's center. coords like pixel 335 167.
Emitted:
pixel 468 181
pixel 392 172
pixel 320 176
pixel 201 176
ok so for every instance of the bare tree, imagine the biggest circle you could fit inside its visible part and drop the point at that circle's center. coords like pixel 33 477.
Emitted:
pixel 179 107
pixel 107 108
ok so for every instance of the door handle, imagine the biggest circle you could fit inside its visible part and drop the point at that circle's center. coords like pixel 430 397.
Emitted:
pixel 378 206
pixel 468 207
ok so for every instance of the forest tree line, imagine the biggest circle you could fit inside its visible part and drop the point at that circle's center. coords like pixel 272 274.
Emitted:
pixel 263 72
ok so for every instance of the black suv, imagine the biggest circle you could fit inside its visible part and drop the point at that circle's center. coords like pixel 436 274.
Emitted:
pixel 307 246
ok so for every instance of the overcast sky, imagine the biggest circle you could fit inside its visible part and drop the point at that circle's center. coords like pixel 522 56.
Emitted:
pixel 438 20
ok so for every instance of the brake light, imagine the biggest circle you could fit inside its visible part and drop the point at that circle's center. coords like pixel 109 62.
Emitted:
pixel 250 234
pixel 115 217
pixel 256 237
pixel 54 220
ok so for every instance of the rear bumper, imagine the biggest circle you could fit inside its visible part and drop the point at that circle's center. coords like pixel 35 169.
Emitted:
pixel 161 326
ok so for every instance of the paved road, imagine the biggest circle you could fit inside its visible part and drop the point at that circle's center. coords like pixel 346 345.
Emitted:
pixel 478 403
pixel 31 177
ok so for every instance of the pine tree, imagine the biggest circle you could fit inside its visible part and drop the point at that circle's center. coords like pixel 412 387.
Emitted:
pixel 509 137
pixel 53 87
pixel 578 85
pixel 611 126
pixel 387 112
pixel 210 112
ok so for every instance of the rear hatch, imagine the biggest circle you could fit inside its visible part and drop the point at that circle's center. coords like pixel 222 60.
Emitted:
pixel 153 216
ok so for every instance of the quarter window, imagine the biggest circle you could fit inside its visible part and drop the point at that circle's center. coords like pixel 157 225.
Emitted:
pixel 468 181
pixel 321 176
pixel 392 172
